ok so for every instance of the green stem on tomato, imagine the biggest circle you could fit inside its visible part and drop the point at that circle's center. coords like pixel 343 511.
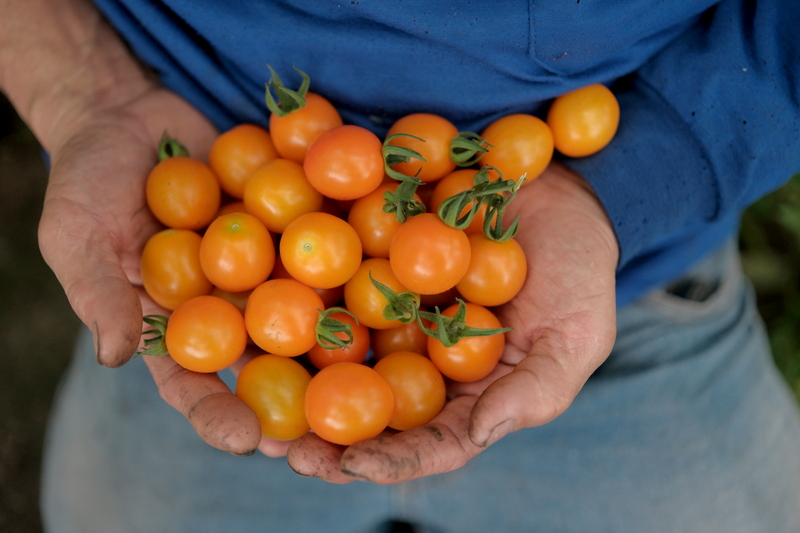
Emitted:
pixel 327 327
pixel 155 345
pixel 467 148
pixel 450 330
pixel 401 203
pixel 169 147
pixel 288 100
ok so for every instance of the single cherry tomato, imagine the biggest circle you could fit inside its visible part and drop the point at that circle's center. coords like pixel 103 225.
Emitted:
pixel 365 301
pixel 417 386
pixel 206 334
pixel 345 163
pixel 427 256
pixel 183 193
pixel 237 252
pixel 347 403
pixel 278 193
pixel 453 184
pixel 274 388
pixel 472 358
pixel 355 352
pixel 404 338
pixel 330 297
pixel 374 227
pixel 239 152
pixel 170 268
pixel 320 250
pixel 281 317
pixel 496 273
pixel 520 144
pixel 437 133
pixel 294 133
pixel 584 121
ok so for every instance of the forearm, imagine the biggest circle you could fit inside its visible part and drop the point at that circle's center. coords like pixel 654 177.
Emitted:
pixel 59 59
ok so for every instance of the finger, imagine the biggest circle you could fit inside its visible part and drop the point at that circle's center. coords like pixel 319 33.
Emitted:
pixel 273 448
pixel 220 418
pixel 310 456
pixel 440 446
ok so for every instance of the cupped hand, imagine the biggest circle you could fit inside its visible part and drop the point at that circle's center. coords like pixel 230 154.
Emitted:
pixel 94 224
pixel 564 321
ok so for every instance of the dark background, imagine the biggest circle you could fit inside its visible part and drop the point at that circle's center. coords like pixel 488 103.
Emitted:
pixel 38 328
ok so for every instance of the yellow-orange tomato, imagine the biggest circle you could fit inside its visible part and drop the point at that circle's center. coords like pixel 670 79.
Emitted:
pixel 293 133
pixel 330 297
pixel 584 121
pixel 239 152
pixel 428 256
pixel 281 317
pixel 320 250
pixel 206 334
pixel 355 352
pixel 365 301
pixel 183 193
pixel 520 144
pixel 472 358
pixel 418 388
pixel 347 403
pixel 375 228
pixel 453 184
pixel 274 388
pixel 404 338
pixel 278 192
pixel 170 268
pixel 496 273
pixel 237 252
pixel 231 207
pixel 437 133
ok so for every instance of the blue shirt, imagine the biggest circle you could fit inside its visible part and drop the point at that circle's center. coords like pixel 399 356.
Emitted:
pixel 709 92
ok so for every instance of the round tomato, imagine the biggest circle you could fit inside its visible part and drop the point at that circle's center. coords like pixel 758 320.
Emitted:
pixel 437 133
pixel 453 184
pixel 281 317
pixel 320 250
pixel 365 301
pixel 427 256
pixel 278 193
pixel 345 163
pixel 355 352
pixel 206 334
pixel 472 358
pixel 404 338
pixel 330 297
pixel 274 388
pixel 237 252
pixel 584 121
pixel 170 268
pixel 417 386
pixel 183 193
pixel 294 133
pixel 239 152
pixel 347 403
pixel 496 273
pixel 520 144
pixel 374 227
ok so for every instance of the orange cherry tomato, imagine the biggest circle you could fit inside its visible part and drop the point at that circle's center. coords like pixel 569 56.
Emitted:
pixel 345 163
pixel 330 297
pixel 183 193
pixel 584 121
pixel 320 250
pixel 427 256
pixel 437 133
pixel 347 403
pixel 206 334
pixel 404 338
pixel 278 193
pixel 294 133
pixel 453 184
pixel 281 317
pixel 237 252
pixel 170 268
pixel 374 227
pixel 365 301
pixel 274 388
pixel 417 386
pixel 496 273
pixel 520 144
pixel 231 207
pixel 472 358
pixel 239 152
pixel 355 352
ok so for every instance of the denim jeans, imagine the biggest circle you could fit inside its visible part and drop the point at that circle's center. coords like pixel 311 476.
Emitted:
pixel 686 427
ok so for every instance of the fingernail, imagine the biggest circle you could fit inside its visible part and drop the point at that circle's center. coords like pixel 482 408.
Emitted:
pixel 354 474
pixel 96 342
pixel 299 473
pixel 244 454
pixel 499 431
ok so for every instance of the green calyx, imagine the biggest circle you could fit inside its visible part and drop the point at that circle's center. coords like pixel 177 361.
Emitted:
pixel 401 203
pixel 327 328
pixel 467 148
pixel 288 100
pixel 155 345
pixel 402 307
pixel 169 147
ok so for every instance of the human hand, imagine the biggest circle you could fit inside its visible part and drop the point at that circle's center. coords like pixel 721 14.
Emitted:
pixel 564 321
